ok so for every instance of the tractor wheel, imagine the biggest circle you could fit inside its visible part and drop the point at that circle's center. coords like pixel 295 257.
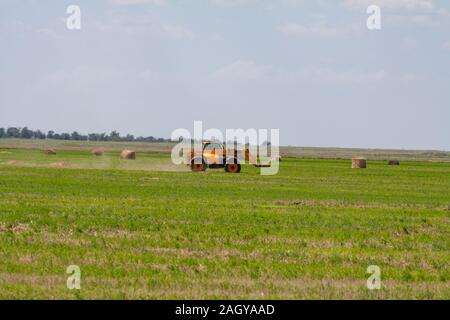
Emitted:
pixel 198 167
pixel 233 168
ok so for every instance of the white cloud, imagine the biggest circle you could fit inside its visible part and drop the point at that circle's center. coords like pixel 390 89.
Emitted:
pixel 135 25
pixel 439 17
pixel 295 29
pixel 176 31
pixel 89 79
pixel 244 70
pixel 319 30
pixel 116 25
pixel 150 75
pixel 423 20
pixel 232 3
pixel 51 31
pixel 392 4
pixel 328 75
pixel 80 79
pixel 134 2
pixel 250 70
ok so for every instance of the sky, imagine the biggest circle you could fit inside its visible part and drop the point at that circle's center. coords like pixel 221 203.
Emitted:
pixel 311 69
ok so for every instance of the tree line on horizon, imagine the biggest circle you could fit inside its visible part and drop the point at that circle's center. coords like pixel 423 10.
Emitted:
pixel 26 133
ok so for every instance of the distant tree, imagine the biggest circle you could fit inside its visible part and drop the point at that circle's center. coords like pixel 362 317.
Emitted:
pixel 25 133
pixel 75 136
pixel 13 132
pixel 38 134
pixel 65 136
pixel 114 136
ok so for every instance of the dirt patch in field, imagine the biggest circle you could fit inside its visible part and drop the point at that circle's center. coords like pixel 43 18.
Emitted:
pixel 62 238
pixel 17 228
pixel 214 254
pixel 327 204
pixel 15 162
pixel 158 166
pixel 20 278
pixel 60 164
pixel 341 204
pixel 111 233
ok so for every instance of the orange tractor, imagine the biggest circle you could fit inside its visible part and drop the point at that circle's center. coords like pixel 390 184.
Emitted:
pixel 214 156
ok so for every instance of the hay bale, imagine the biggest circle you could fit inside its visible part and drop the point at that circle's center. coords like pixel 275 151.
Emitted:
pixel 97 152
pixel 393 162
pixel 49 151
pixel 128 155
pixel 359 163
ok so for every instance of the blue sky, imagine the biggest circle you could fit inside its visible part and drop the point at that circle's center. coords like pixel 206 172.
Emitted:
pixel 309 68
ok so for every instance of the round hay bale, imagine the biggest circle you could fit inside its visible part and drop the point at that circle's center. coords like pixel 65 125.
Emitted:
pixel 128 155
pixel 97 152
pixel 359 163
pixel 393 162
pixel 49 151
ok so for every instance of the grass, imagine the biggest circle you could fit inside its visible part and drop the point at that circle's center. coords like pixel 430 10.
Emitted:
pixel 148 229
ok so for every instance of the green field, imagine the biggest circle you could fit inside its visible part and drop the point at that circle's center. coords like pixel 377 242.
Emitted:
pixel 147 229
